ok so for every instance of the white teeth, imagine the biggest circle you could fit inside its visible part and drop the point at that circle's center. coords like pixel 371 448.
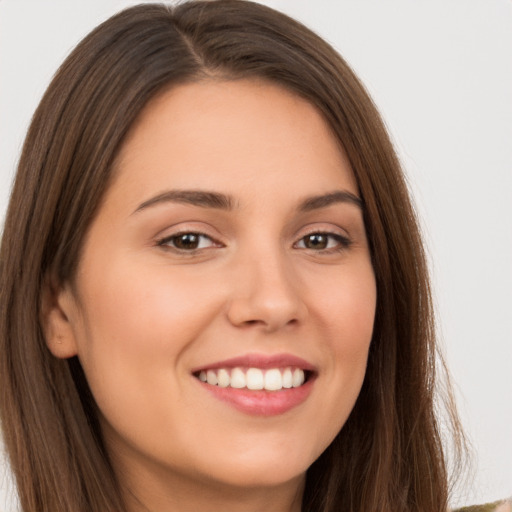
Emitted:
pixel 287 378
pixel 254 378
pixel 272 379
pixel 298 378
pixel 211 377
pixel 223 378
pixel 238 379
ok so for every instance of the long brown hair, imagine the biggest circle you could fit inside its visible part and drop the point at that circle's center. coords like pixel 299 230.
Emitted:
pixel 389 455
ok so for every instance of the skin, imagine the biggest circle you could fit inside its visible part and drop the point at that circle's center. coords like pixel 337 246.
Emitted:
pixel 141 315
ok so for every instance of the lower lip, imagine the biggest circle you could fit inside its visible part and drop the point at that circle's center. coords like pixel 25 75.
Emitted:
pixel 261 402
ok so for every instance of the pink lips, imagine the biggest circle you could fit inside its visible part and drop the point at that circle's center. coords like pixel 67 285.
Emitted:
pixel 261 402
pixel 259 361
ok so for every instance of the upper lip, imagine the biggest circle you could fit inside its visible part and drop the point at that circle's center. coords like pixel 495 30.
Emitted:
pixel 263 361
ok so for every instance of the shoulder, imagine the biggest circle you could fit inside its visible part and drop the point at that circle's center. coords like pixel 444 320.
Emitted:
pixel 498 506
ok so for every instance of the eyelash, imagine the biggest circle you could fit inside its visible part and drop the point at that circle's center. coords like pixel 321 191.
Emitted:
pixel 166 242
pixel 342 242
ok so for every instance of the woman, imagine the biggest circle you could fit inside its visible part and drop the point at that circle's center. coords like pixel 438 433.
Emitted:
pixel 222 295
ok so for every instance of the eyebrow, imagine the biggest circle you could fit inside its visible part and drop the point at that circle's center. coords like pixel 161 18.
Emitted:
pixel 217 200
pixel 325 200
pixel 193 197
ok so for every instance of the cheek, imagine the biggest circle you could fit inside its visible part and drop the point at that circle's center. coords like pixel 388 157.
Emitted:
pixel 137 321
pixel 346 306
pixel 346 311
pixel 357 305
pixel 125 301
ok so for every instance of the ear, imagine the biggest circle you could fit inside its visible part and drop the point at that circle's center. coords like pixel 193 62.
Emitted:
pixel 58 308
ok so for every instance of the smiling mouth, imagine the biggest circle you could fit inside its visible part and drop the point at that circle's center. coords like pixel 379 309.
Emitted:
pixel 270 379
pixel 259 384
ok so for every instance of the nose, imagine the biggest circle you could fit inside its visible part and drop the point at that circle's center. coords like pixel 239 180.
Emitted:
pixel 266 293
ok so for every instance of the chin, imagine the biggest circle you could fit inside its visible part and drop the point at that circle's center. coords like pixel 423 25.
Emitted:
pixel 260 476
pixel 261 470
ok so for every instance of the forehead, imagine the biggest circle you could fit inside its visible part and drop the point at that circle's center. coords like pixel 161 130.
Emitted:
pixel 234 135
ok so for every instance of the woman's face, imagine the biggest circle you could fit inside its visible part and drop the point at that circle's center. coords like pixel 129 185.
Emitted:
pixel 230 246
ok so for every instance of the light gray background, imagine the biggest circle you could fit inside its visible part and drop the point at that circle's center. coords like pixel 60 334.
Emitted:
pixel 441 73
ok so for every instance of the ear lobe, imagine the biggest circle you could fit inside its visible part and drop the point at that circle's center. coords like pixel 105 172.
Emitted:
pixel 57 305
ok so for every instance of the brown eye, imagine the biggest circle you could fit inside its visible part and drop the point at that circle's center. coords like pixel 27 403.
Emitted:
pixel 187 241
pixel 323 242
pixel 316 241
